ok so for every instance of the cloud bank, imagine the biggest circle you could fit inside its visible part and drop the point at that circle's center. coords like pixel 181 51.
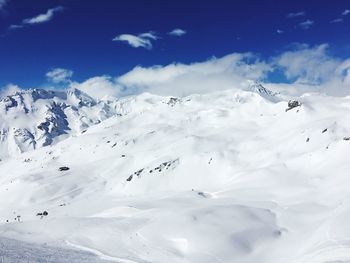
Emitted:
pixel 176 79
pixel 306 69
pixel 227 72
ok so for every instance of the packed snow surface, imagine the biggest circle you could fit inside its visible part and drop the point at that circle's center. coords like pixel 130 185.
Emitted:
pixel 222 177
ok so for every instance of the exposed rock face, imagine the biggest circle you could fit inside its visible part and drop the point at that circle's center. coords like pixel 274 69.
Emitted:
pixel 257 87
pixel 293 104
pixel 173 101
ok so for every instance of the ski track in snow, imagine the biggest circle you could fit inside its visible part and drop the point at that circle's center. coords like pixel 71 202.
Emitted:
pixel 98 253
pixel 12 251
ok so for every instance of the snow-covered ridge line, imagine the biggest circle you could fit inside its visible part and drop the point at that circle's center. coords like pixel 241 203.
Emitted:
pixel 30 119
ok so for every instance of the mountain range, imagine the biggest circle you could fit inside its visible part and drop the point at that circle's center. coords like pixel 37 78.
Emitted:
pixel 229 176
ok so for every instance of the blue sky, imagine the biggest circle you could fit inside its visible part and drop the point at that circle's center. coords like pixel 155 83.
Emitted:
pixel 39 35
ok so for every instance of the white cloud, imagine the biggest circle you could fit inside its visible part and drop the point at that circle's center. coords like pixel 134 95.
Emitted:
pixel 292 15
pixel 150 35
pixel 314 70
pixel 42 18
pixel 345 12
pixel 99 87
pixel 141 40
pixel 59 75
pixel 177 32
pixel 339 82
pixel 279 31
pixel 10 89
pixel 307 68
pixel 337 20
pixel 307 64
pixel 306 24
pixel 231 71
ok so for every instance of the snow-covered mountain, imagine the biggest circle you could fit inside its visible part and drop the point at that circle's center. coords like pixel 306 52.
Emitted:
pixel 31 119
pixel 34 118
pixel 229 176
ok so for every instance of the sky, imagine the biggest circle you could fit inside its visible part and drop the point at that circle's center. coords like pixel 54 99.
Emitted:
pixel 56 42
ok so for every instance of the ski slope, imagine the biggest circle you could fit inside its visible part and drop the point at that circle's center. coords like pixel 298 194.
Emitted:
pixel 229 176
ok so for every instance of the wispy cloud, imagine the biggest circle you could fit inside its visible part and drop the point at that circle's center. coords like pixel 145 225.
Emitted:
pixel 279 31
pixel 292 15
pixel 42 18
pixel 306 24
pixel 314 66
pixel 307 64
pixel 345 12
pixel 337 20
pixel 340 19
pixel 59 75
pixel 150 35
pixel 39 19
pixel 14 27
pixel 177 32
pixel 141 40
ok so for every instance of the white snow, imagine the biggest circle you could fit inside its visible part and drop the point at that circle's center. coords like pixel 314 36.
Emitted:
pixel 222 177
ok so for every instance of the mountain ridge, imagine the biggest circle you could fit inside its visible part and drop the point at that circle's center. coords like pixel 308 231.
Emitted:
pixel 64 112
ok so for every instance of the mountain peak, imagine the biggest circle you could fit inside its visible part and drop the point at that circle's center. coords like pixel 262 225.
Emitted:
pixel 42 116
pixel 257 87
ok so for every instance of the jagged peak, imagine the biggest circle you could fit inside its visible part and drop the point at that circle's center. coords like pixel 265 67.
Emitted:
pixel 83 98
pixel 257 87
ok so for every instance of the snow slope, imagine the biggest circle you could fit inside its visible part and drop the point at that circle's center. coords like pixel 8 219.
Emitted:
pixel 223 177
